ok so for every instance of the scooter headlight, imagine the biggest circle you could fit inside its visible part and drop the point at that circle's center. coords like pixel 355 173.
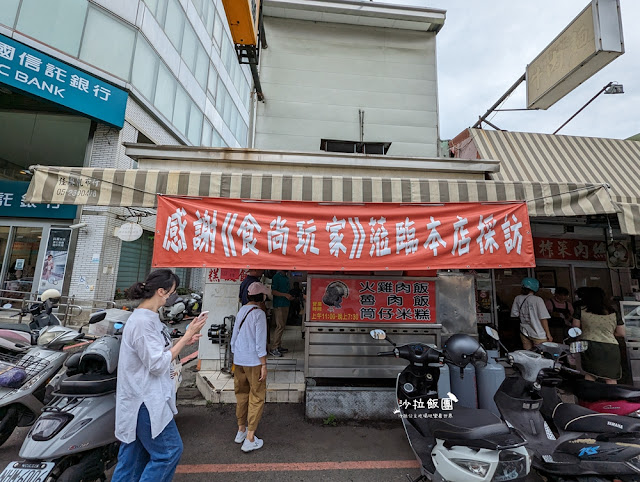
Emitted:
pixel 47 426
pixel 473 466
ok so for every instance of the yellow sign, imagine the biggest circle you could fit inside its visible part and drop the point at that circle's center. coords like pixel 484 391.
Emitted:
pixel 575 55
pixel 243 17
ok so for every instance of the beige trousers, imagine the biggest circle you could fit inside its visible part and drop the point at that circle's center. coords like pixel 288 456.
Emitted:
pixel 280 315
pixel 250 395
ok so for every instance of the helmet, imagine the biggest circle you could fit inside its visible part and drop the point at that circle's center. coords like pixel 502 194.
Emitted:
pixel 531 283
pixel 462 349
pixel 50 294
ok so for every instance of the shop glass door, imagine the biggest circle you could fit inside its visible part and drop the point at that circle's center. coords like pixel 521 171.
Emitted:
pixel 507 282
pixel 21 262
pixel 595 277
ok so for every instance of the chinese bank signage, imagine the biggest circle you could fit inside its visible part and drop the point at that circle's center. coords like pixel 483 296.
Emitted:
pixel 389 300
pixel 235 233
pixel 12 204
pixel 38 74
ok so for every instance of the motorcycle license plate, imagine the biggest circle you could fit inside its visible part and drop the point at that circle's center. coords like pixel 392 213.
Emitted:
pixel 26 472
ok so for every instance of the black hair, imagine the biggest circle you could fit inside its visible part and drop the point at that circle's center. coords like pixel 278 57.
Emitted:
pixel 562 291
pixel 160 278
pixel 259 297
pixel 596 302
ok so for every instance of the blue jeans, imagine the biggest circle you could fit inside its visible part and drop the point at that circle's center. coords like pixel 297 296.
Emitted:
pixel 146 459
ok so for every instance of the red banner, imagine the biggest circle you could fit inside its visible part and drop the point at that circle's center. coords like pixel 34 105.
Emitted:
pixel 570 249
pixel 366 299
pixel 235 233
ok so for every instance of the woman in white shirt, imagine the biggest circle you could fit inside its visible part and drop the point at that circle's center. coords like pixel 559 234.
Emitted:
pixel 249 347
pixel 145 397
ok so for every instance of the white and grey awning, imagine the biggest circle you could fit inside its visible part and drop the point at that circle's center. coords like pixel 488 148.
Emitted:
pixel 551 158
pixel 139 187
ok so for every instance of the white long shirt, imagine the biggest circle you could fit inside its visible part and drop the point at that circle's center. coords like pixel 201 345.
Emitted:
pixel 249 343
pixel 144 375
pixel 530 309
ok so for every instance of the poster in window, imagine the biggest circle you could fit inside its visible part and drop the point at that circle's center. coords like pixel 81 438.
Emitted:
pixel 54 263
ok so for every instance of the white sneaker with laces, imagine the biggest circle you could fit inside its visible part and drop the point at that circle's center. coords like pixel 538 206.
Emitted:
pixel 240 436
pixel 249 446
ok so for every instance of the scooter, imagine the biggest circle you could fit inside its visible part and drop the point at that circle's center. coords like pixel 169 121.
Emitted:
pixel 21 403
pixel 569 442
pixel 16 338
pixel 600 397
pixel 74 438
pixel 194 304
pixel 173 311
pixel 604 398
pixel 455 444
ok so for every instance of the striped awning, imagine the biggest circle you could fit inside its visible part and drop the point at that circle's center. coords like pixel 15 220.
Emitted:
pixel 139 187
pixel 552 158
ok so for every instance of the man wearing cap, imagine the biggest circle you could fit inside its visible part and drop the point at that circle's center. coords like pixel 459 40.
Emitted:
pixel 249 348
pixel 253 275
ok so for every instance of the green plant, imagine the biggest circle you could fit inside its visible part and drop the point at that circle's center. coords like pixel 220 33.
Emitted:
pixel 330 421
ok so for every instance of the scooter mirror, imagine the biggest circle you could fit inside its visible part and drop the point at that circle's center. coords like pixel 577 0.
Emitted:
pixel 492 332
pixel 97 317
pixel 378 334
pixel 7 306
pixel 574 332
pixel 578 346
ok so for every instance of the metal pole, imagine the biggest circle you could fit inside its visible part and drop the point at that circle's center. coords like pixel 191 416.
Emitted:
pixel 500 101
pixel 583 107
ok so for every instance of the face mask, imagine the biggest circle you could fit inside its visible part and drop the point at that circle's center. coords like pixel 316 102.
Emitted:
pixel 171 299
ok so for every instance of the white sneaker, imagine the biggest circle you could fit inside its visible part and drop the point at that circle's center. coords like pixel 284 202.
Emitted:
pixel 240 436
pixel 249 446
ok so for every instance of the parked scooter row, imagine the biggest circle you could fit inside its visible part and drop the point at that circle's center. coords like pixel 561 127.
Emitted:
pixel 23 383
pixel 73 440
pixel 177 308
pixel 562 441
pixel 17 338
pixel 568 441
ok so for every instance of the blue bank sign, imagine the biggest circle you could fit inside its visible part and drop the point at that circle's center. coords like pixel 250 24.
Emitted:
pixel 38 74
pixel 12 204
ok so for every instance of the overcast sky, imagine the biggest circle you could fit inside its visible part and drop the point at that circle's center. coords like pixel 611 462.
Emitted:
pixel 484 48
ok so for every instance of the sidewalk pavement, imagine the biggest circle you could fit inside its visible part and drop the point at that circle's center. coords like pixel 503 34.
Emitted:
pixel 294 449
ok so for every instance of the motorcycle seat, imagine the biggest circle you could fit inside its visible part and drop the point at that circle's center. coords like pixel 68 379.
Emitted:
pixel 575 418
pixel 15 327
pixel 88 384
pixel 468 424
pixel 594 391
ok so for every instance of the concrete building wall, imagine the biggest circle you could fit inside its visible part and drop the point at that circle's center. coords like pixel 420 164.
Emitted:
pixel 316 76
pixel 97 254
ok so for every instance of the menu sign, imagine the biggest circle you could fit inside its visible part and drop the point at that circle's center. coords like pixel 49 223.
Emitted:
pixel 366 299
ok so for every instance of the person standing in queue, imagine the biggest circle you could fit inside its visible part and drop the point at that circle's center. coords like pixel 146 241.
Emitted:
pixel 533 314
pixel 249 348
pixel 253 275
pixel 146 395
pixel 281 300
pixel 561 313
pixel 600 326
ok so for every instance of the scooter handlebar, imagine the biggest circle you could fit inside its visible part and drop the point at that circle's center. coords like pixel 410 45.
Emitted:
pixel 569 371
pixel 387 353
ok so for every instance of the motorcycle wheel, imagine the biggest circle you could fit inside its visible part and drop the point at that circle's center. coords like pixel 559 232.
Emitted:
pixel 8 422
pixel 179 317
pixel 75 473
